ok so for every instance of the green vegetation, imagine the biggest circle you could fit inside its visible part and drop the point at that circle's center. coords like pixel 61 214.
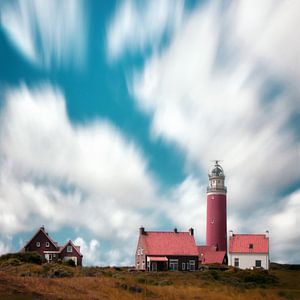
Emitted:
pixel 62 281
pixel 18 258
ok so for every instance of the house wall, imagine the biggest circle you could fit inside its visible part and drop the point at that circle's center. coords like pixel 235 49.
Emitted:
pixel 65 255
pixel 140 257
pixel 247 260
pixel 42 238
pixel 181 260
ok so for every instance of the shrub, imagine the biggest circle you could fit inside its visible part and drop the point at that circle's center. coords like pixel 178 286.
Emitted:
pixel 26 257
pixel 70 263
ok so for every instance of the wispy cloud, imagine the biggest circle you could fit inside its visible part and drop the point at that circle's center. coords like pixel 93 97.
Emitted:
pixel 137 25
pixel 91 251
pixel 87 177
pixel 46 32
pixel 211 92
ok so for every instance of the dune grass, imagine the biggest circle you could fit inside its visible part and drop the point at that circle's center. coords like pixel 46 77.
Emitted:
pixel 24 281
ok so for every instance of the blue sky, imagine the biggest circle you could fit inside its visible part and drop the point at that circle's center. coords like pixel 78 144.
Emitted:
pixel 111 113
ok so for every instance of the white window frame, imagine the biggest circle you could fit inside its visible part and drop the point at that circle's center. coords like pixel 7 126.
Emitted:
pixel 69 249
pixel 236 262
pixel 183 266
pixel 256 261
pixel 173 264
pixel 188 266
pixel 139 251
pixel 154 266
pixel 50 256
pixel 142 251
pixel 192 265
pixel 38 244
pixel 47 244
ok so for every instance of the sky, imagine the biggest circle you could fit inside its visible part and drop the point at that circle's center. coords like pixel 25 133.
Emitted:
pixel 111 113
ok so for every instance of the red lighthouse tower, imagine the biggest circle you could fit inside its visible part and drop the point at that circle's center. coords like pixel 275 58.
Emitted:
pixel 216 216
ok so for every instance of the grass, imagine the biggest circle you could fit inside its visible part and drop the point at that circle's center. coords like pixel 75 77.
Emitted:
pixel 57 281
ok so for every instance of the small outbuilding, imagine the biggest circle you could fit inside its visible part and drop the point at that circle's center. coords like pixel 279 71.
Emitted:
pixel 161 251
pixel 209 255
pixel 248 251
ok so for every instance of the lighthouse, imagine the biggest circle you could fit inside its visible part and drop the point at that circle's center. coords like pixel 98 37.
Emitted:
pixel 216 216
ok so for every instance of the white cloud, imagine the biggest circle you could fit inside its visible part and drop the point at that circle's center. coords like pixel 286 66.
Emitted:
pixel 91 251
pixel 204 92
pixel 5 243
pixel 136 26
pixel 186 207
pixel 52 172
pixel 285 229
pixel 46 32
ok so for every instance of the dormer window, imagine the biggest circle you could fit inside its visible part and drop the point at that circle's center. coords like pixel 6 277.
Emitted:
pixel 69 249
pixel 47 244
pixel 38 244
pixel 250 246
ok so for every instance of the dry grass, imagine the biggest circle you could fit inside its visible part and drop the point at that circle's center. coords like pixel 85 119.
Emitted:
pixel 26 281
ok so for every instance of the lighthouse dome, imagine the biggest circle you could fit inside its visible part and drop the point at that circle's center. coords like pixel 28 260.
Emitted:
pixel 217 170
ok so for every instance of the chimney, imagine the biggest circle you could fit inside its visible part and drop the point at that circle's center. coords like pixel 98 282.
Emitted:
pixel 142 230
pixel 230 233
pixel 267 234
pixel 43 227
pixel 175 230
pixel 191 231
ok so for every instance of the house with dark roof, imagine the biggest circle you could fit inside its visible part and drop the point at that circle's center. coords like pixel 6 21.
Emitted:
pixel 164 250
pixel 42 243
pixel 247 251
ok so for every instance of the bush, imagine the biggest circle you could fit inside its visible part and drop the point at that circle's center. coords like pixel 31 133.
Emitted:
pixel 23 257
pixel 70 263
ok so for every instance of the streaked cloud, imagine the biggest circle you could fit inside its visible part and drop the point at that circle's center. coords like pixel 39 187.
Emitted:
pixel 210 93
pixel 46 32
pixel 137 25
pixel 52 172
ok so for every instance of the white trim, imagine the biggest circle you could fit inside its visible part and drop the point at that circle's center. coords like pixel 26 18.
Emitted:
pixel 216 193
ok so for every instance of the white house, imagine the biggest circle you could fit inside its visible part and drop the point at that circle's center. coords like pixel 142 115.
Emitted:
pixel 247 251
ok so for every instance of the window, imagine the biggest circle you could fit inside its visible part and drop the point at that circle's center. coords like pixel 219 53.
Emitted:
pixel 192 265
pixel 142 251
pixel 38 244
pixel 154 266
pixel 54 255
pixel 250 246
pixel 47 244
pixel 139 251
pixel 69 249
pixel 50 256
pixel 183 266
pixel 236 262
pixel 173 264
pixel 187 266
pixel 258 263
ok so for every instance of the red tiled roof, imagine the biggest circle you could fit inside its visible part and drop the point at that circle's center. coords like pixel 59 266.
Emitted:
pixel 240 243
pixel 209 255
pixel 169 243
